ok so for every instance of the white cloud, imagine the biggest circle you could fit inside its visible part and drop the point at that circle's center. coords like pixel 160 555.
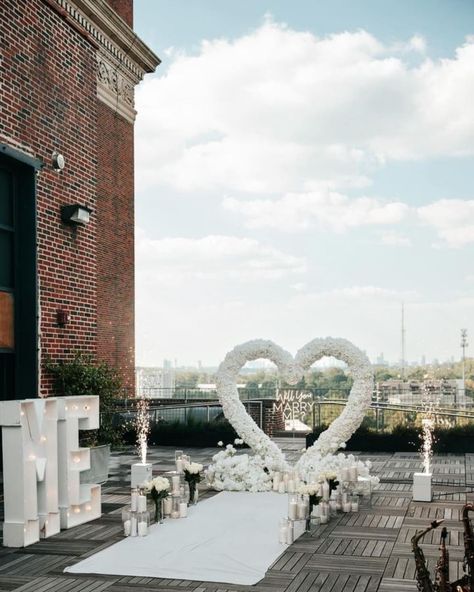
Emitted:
pixel 326 209
pixel 279 111
pixel 212 257
pixel 453 220
pixel 394 239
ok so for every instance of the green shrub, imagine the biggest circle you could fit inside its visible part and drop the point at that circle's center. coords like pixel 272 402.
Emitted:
pixel 191 433
pixel 85 376
pixel 407 439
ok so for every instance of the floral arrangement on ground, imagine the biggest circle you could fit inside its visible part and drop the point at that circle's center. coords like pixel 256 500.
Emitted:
pixel 231 471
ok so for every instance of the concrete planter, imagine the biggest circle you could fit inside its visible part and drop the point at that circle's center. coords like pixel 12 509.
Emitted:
pixel 99 471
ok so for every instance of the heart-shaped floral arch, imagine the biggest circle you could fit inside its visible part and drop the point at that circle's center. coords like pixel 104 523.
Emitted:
pixel 291 370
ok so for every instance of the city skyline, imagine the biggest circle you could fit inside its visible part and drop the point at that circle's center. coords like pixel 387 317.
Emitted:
pixel 301 171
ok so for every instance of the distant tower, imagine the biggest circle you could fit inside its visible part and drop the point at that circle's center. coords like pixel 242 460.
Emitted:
pixel 403 342
pixel 464 344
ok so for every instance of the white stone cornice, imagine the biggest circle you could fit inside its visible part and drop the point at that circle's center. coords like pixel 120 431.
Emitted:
pixel 122 57
pixel 111 32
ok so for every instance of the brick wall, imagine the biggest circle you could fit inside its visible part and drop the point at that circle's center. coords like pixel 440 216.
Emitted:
pixel 272 421
pixel 47 103
pixel 115 243
pixel 124 8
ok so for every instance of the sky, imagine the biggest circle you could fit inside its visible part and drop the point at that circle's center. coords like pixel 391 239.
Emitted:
pixel 302 168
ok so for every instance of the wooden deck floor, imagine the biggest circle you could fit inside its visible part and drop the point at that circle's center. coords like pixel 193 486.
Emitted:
pixel 365 552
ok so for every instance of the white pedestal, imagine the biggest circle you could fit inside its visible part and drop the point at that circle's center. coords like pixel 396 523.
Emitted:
pixel 422 487
pixel 141 472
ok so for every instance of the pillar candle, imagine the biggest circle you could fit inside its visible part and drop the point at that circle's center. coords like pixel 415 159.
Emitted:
pixel 293 510
pixel 347 507
pixel 167 506
pixel 179 465
pixel 353 473
pixel 290 486
pixel 355 506
pixel 290 534
pixel 282 487
pixel 175 514
pixel 333 506
pixel 141 504
pixel 175 483
pixel 324 519
pixel 325 490
pixel 301 510
pixel 345 474
pixel 126 527
pixel 142 528
pixel 285 477
pixel 183 509
pixel 134 500
pixel 276 481
pixel 133 526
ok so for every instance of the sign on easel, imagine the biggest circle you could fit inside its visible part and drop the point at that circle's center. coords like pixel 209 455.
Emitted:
pixel 42 462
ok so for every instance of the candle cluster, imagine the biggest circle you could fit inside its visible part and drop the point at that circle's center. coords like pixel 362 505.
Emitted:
pixel 136 519
pixel 316 498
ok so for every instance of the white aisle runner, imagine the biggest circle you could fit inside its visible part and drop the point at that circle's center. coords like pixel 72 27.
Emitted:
pixel 231 537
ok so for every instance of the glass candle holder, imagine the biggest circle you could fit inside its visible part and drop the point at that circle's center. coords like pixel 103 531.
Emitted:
pixel 282 531
pixel 143 523
pixel 175 500
pixel 167 506
pixel 324 513
pixel 183 507
pixel 127 522
pixel 290 532
pixel 293 500
pixel 303 507
pixel 354 503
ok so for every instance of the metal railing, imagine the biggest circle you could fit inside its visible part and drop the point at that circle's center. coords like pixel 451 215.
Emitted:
pixel 183 404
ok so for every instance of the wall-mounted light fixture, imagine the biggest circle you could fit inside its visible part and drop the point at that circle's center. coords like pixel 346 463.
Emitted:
pixel 75 214
pixel 58 161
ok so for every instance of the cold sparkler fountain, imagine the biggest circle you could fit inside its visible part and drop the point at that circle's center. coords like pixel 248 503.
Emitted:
pixel 422 481
pixel 141 471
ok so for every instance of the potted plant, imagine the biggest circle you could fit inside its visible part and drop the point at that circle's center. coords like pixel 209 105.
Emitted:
pixel 85 376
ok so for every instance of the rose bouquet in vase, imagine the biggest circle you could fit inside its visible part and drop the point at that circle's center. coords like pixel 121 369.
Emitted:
pixel 192 476
pixel 158 488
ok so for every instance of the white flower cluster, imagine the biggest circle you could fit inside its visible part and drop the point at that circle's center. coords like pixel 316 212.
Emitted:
pixel 159 483
pixel 291 370
pixel 239 472
pixel 193 468
pixel 309 488
pixel 321 468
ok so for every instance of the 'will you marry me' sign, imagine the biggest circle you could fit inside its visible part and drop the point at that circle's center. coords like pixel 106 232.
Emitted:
pixel 293 404
pixel 42 463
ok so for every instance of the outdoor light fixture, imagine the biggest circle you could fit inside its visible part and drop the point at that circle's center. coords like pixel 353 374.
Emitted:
pixel 75 214
pixel 58 161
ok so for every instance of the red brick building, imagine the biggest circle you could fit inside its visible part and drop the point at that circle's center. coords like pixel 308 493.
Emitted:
pixel 68 69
